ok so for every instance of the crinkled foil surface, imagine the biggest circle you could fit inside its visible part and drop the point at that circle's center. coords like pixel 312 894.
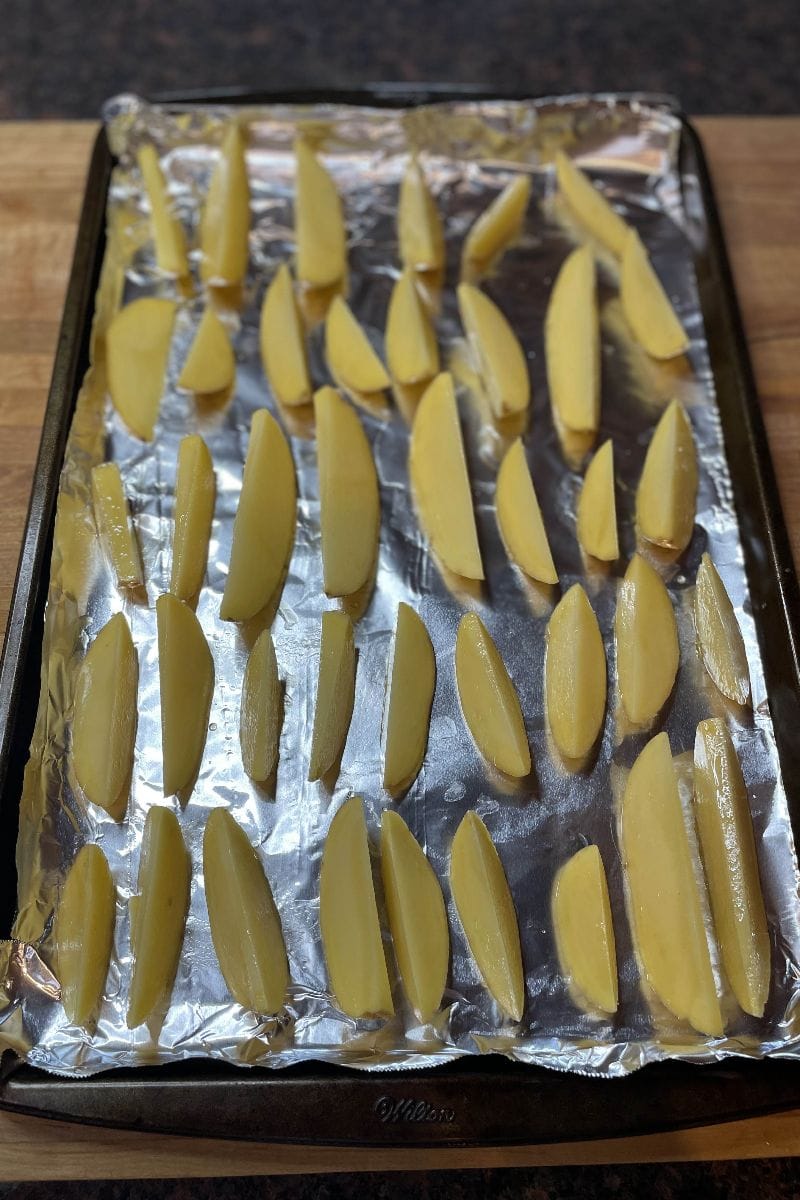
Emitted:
pixel 469 151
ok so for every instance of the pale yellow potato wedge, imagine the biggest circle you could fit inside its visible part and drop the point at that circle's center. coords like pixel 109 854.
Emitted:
pixel 729 856
pixel 498 353
pixel 261 711
pixel 584 929
pixel 114 525
pixel 411 350
pixel 409 700
pixel 667 492
pixel 195 492
pixel 438 470
pixel 245 924
pixel 168 235
pixel 336 689
pixel 158 915
pixel 83 933
pixel 572 344
pixel 419 226
pixel 351 359
pixel 590 205
pixel 647 642
pixel 646 306
pixel 348 917
pixel 350 509
pixel 719 636
pixel 499 223
pixel 486 910
pixel 225 224
pixel 417 917
pixel 520 518
pixel 489 700
pixel 597 507
pixel 318 220
pixel 574 675
pixel 283 343
pixel 210 365
pixel 104 724
pixel 664 897
pixel 186 678
pixel 137 348
pixel 264 527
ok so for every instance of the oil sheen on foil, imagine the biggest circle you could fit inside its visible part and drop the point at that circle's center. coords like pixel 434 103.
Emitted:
pixel 469 151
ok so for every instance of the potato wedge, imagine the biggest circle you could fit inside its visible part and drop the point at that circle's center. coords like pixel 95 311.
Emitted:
pixel 520 518
pixel 411 350
pixel 584 929
pixel 262 710
pixel 499 356
pixel 336 689
pixel 225 223
pixel 351 360
pixel 318 221
pixel 283 343
pixel 137 347
pixel 589 205
pixel 667 492
pixel 245 925
pixel 114 525
pixel 83 933
pixel 572 344
pixel 419 226
pixel 646 636
pixel 646 306
pixel 210 365
pixel 597 507
pixel 186 678
pixel 195 492
pixel 168 235
pixel 499 223
pixel 489 700
pixel 719 636
pixel 409 699
pixel 574 675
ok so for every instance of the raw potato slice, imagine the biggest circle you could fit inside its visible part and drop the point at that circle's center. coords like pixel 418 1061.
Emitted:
pixel 597 507
pixel 574 675
pixel 168 236
pixel 419 226
pixel 488 700
pixel 410 696
pixel 225 224
pixel 186 678
pixel 584 929
pixel 572 344
pixel 319 224
pixel 263 531
pixel 499 223
pixel 283 345
pixel 348 917
pixel 348 492
pixel 729 856
pixel 719 636
pixel 195 492
pixel 667 492
pixel 590 205
pixel 210 365
pixel 351 359
pixel 665 901
pixel 104 725
pixel 520 518
pixel 137 348
pixel 647 642
pixel 84 931
pixel 646 305
pixel 336 688
pixel 417 917
pixel 486 910
pixel 158 914
pixel 411 349
pixel 245 925
pixel 438 470
pixel 114 524
pixel 260 720
pixel 500 357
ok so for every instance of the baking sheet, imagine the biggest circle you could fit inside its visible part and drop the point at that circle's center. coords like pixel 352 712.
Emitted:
pixel 469 151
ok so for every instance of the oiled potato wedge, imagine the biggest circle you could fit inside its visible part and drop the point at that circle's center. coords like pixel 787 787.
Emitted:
pixel 283 344
pixel 719 636
pixel 438 470
pixel 419 226
pixel 336 687
pixel 667 492
pixel 597 507
pixel 168 235
pixel 263 531
pixel 210 365
pixel 195 492
pixel 83 933
pixel 245 925
pixel 409 699
pixel 319 224
pixel 486 910
pixel 137 348
pixel 489 701
pixel 225 224
pixel 348 917
pixel 186 677
pixel 114 525
pixel 351 359
pixel 665 901
pixel 729 856
pixel 574 675
pixel 584 929
pixel 158 914
pixel 104 725
pixel 646 305
pixel 500 357
pixel 589 205
pixel 411 350
pixel 348 493
pixel 499 223
pixel 520 518
pixel 647 642
pixel 262 710
pixel 572 344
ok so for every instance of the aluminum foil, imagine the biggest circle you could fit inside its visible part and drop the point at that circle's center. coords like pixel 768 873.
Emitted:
pixel 469 152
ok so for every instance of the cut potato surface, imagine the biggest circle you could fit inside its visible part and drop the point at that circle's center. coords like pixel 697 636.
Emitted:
pixel 597 507
pixel 419 226
pixel 410 697
pixel 186 676
pixel 225 224
pixel 489 701
pixel 574 675
pixel 336 686
pixel 210 365
pixel 499 223
pixel 500 357
pixel 83 933
pixel 261 711
pixel 520 518
pixel 719 636
pixel 283 344
pixel 590 205
pixel 319 224
pixel 572 344
pixel 351 359
pixel 137 348
pixel 195 492
pixel 168 235
pixel 584 929
pixel 646 305
pixel 114 525
pixel 647 642
pixel 667 492
pixel 411 349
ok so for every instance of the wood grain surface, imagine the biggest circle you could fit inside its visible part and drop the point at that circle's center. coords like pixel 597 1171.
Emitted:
pixel 755 164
